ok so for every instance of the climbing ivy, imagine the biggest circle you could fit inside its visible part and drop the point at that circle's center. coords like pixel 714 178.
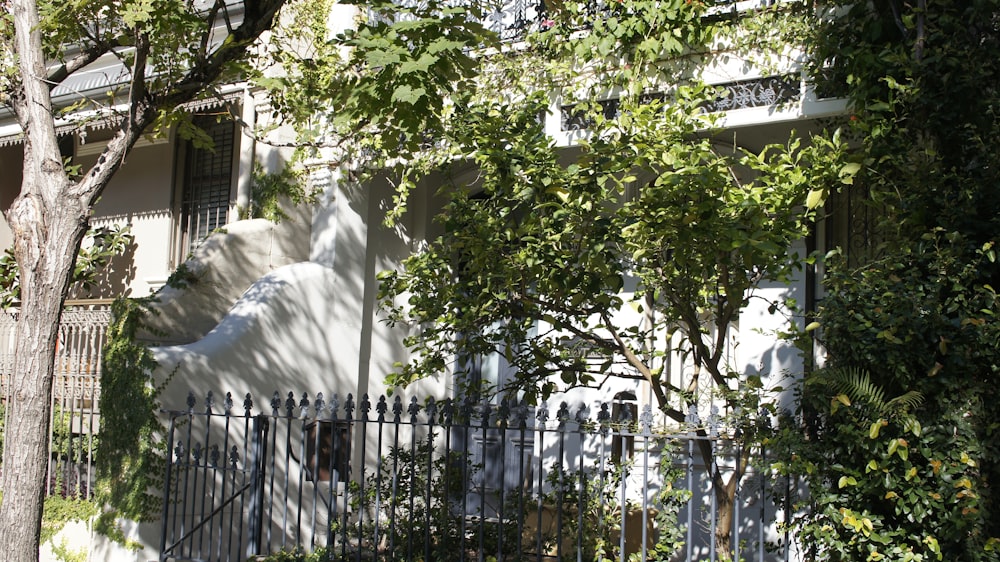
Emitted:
pixel 130 457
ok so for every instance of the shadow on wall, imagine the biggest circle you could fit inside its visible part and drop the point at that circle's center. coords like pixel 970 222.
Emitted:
pixel 218 272
pixel 276 336
pixel 113 280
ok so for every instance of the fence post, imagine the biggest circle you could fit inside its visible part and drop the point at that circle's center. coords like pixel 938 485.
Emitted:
pixel 257 477
pixel 166 488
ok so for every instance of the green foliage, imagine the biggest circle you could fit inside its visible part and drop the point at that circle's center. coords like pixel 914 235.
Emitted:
pixel 394 84
pixel 59 510
pixel 921 317
pixel 539 242
pixel 416 490
pixel 298 555
pixel 63 553
pixel 267 191
pixel 181 277
pixel 883 485
pixel 129 457
pixel 105 244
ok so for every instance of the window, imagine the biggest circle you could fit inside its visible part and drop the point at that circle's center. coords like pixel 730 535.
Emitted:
pixel 854 224
pixel 206 184
pixel 624 418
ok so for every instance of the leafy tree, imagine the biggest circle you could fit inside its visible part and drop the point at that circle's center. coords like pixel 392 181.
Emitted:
pixel 543 252
pixel 921 316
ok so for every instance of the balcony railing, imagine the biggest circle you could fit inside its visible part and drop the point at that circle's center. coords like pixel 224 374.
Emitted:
pixel 512 20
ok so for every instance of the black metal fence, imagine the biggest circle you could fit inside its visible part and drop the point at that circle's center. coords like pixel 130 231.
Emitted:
pixel 457 480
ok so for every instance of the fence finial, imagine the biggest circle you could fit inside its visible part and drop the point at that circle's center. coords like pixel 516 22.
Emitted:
pixel 432 410
pixel 562 414
pixel 234 458
pixel 319 405
pixel 646 420
pixel 542 415
pixel 304 406
pixel 413 409
pixel 334 406
pixel 349 406
pixel 521 415
pixel 366 406
pixel 381 408
pixel 692 420
pixel 275 404
pixel 248 404
pixel 604 419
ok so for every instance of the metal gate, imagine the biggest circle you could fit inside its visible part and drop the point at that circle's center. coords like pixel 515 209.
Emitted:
pixel 214 484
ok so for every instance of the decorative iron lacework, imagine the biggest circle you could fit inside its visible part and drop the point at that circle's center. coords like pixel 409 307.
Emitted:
pixel 759 92
pixel 741 94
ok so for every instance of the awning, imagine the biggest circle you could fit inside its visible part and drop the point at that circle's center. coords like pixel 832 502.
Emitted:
pixel 96 120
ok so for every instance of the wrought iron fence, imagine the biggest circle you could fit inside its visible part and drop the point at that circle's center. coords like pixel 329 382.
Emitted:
pixel 76 390
pixel 454 480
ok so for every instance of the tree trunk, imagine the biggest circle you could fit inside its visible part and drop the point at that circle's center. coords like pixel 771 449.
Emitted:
pixel 48 222
pixel 725 498
pixel 46 266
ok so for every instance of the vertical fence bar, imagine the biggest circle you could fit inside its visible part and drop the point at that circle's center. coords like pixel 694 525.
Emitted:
pixel 348 419
pixel 276 416
pixel 397 414
pixel 166 487
pixel 541 416
pixel 257 468
pixel 736 498
pixel 431 411
pixel 380 408
pixel 484 423
pixel 763 503
pixel 562 414
pixel 334 513
pixel 691 421
pixel 249 437
pixel 364 409
pixel 466 430
pixel 312 463
pixel 413 410
pixel 304 420
pixel 521 421
pixel 202 454
pixel 227 409
pixel 503 413
pixel 646 426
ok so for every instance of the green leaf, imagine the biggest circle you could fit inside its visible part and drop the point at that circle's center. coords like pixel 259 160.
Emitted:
pixel 815 198
pixel 420 65
pixel 407 94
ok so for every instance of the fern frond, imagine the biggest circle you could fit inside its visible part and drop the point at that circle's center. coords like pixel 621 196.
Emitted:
pixel 859 387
